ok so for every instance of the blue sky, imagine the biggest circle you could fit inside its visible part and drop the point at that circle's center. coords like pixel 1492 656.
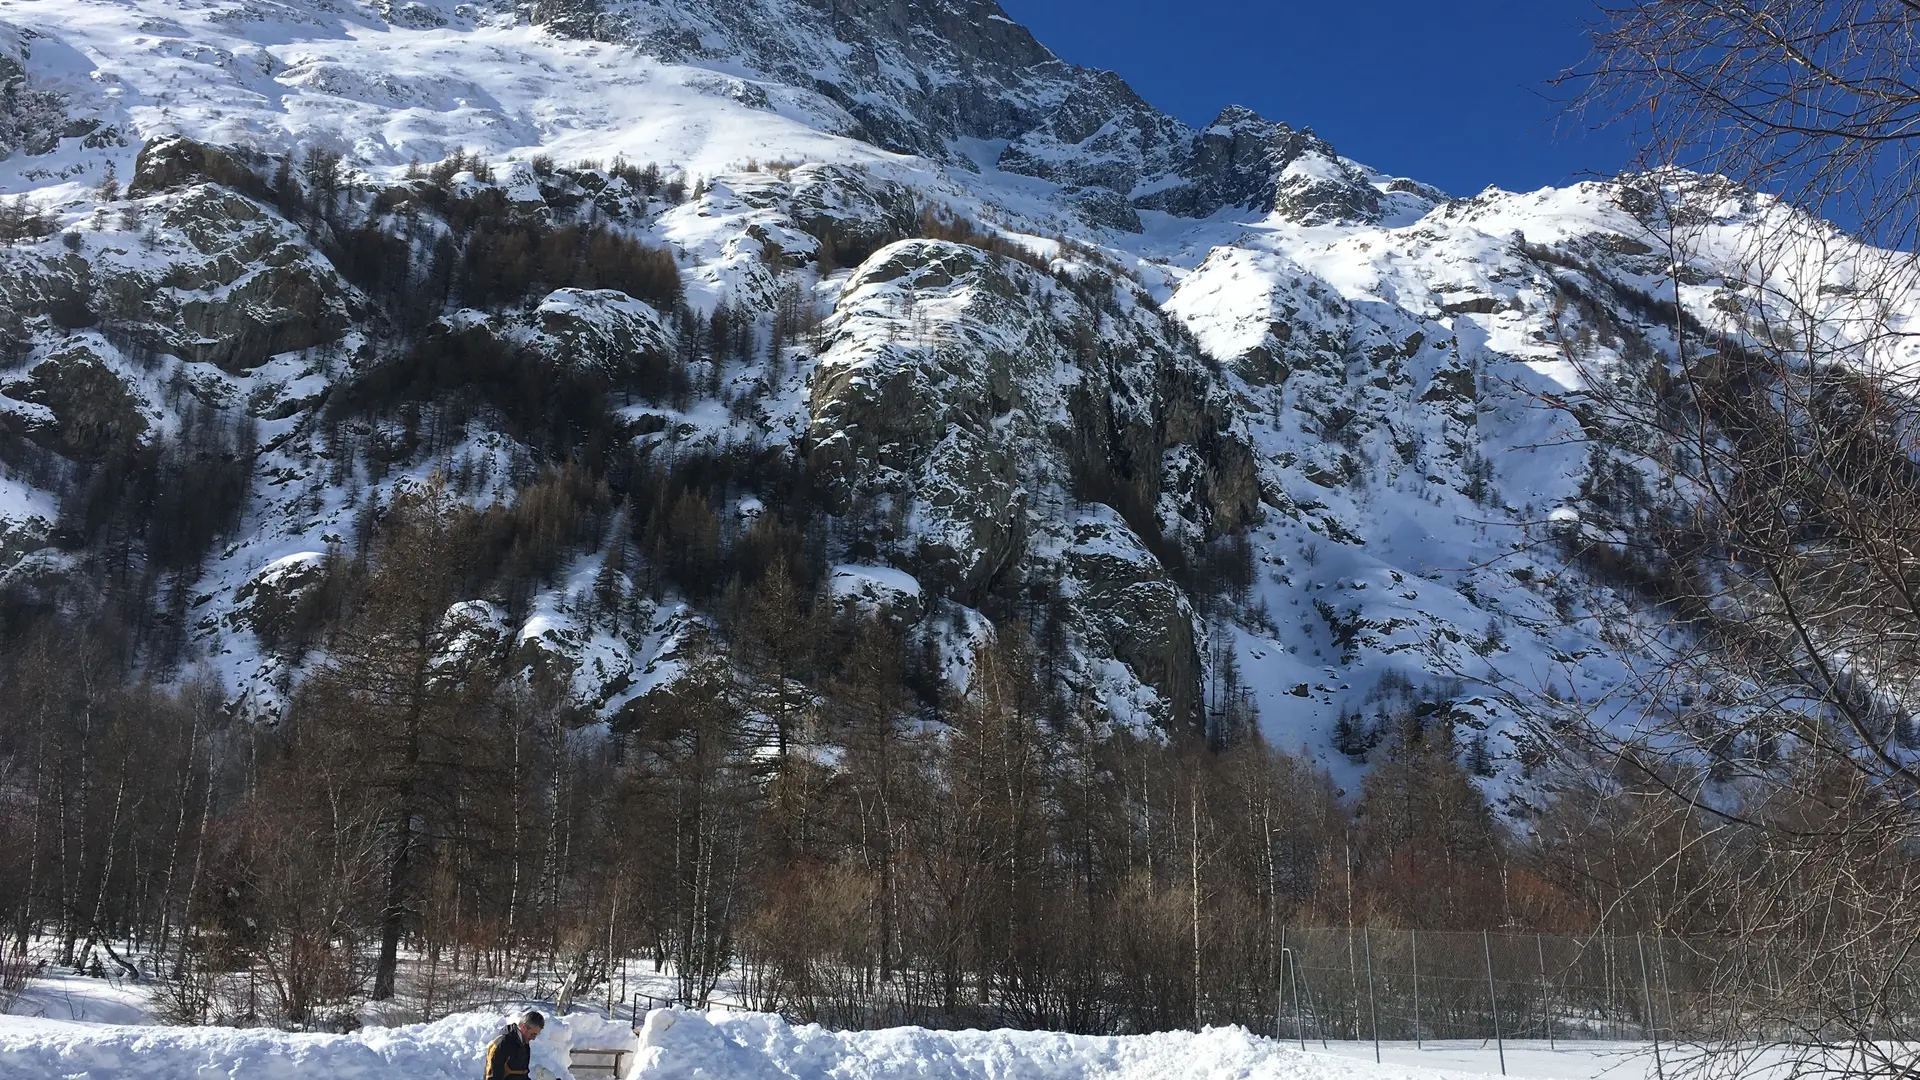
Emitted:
pixel 1446 91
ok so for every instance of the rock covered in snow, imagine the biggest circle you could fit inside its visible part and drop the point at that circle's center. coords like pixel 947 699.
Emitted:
pixel 877 589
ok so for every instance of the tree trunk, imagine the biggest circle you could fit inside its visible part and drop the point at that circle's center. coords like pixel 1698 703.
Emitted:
pixel 1194 816
pixel 26 927
pixel 94 928
pixel 394 914
pixel 179 835
pixel 199 859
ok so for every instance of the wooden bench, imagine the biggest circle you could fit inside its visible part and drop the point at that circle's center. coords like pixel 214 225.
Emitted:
pixel 612 1067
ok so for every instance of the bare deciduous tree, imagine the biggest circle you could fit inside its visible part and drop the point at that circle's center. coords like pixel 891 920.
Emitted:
pixel 1816 100
pixel 1762 731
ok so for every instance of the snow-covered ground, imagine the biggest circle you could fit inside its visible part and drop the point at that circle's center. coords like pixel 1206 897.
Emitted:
pixel 748 1046
pixel 1531 1058
pixel 66 996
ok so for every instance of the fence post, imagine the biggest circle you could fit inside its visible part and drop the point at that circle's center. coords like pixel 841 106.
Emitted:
pixel 1646 992
pixel 1280 984
pixel 1606 963
pixel 1417 1044
pixel 1779 988
pixel 1299 1018
pixel 1319 1010
pixel 1546 994
pixel 1373 1009
pixel 1353 981
pixel 1666 984
pixel 1493 1002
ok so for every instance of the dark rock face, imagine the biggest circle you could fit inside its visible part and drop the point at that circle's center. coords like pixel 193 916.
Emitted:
pixel 1100 135
pixel 894 418
pixel 258 288
pixel 92 414
pixel 32 120
pixel 1236 161
pixel 1104 209
pixel 961 427
pixel 1128 609
pixel 854 53
pixel 218 278
pixel 1244 160
pixel 275 309
pixel 850 209
pixel 172 161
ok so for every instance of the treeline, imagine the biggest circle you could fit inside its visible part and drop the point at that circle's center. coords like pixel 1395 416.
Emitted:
pixel 806 809
pixel 416 246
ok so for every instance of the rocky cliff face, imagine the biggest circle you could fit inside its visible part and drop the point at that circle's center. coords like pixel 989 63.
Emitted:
pixel 979 407
pixel 1244 161
pixel 915 77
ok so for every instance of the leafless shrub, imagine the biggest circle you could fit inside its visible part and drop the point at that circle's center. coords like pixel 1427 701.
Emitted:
pixel 16 971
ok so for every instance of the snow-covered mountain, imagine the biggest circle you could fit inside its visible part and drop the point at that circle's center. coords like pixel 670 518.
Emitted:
pixel 1260 428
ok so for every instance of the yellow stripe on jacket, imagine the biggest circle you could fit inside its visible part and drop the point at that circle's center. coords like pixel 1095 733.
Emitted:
pixel 495 1070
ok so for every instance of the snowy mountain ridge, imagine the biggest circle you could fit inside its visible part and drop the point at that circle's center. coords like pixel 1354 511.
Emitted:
pixel 948 81
pixel 1063 354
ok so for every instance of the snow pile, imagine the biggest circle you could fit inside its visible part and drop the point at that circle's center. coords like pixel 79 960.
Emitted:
pixel 450 1048
pixel 753 1046
pixel 676 1045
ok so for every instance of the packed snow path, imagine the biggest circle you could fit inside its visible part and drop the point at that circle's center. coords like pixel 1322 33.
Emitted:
pixel 693 1046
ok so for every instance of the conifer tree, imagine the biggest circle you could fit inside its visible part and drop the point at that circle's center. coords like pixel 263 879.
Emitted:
pixel 394 695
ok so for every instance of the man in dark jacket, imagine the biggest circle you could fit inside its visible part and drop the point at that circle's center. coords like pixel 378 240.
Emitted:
pixel 510 1055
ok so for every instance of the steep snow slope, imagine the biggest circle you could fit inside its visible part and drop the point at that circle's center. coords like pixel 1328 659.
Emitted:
pixel 1349 370
pixel 415 81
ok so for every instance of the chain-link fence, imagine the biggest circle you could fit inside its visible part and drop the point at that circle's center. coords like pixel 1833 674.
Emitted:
pixel 1325 984
pixel 1416 985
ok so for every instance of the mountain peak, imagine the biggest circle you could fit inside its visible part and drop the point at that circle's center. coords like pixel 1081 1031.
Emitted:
pixel 1238 117
pixel 921 77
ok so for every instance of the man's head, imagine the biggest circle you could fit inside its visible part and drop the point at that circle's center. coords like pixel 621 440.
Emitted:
pixel 531 1024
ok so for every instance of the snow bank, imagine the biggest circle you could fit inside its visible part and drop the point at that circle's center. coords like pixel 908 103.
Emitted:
pixel 448 1049
pixel 751 1046
pixel 677 1045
